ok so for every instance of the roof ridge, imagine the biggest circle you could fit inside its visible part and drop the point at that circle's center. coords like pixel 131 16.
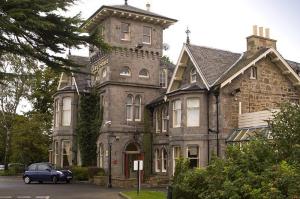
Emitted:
pixel 213 48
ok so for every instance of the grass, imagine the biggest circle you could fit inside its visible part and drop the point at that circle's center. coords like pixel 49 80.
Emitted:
pixel 146 195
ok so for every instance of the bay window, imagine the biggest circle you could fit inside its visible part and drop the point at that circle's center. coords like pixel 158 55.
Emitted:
pixel 66 111
pixel 176 113
pixel 66 153
pixel 193 156
pixel 193 112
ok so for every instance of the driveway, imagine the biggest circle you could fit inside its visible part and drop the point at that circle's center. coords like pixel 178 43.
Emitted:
pixel 14 187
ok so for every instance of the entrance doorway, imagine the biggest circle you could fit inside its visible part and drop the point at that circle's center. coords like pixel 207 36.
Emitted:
pixel 132 152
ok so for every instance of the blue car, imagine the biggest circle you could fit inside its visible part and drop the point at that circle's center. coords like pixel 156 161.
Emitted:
pixel 41 172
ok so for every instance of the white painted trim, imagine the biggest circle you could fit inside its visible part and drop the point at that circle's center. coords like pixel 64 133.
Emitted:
pixel 59 84
pixel 259 58
pixel 73 77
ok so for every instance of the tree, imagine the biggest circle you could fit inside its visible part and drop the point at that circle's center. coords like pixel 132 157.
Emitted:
pixel 38 29
pixel 13 90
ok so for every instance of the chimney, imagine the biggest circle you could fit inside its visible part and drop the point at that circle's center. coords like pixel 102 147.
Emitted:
pixel 148 6
pixel 260 39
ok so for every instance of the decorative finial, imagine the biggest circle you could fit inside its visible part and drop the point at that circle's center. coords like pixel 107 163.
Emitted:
pixel 126 2
pixel 187 35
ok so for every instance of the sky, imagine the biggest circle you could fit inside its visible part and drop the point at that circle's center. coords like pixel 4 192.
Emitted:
pixel 222 24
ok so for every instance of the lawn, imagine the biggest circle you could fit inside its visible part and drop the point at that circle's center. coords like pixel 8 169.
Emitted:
pixel 146 195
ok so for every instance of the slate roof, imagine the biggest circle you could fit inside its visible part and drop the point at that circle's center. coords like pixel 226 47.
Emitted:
pixel 212 62
pixel 294 65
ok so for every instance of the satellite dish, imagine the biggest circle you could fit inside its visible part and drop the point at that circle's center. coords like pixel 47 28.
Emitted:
pixel 166 46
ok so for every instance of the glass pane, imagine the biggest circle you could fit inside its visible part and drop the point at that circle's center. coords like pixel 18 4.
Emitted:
pixel 125 27
pixel 66 153
pixel 146 39
pixel 147 31
pixel 193 103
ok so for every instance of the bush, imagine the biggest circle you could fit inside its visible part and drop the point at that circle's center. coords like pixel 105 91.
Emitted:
pixel 80 173
pixel 9 172
pixel 95 171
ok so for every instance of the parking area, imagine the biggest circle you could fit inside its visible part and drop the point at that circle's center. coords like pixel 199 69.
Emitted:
pixel 14 187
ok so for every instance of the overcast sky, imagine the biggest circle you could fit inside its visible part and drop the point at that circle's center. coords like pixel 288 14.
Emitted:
pixel 222 24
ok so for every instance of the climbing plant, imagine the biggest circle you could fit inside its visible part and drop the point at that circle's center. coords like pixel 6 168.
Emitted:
pixel 88 127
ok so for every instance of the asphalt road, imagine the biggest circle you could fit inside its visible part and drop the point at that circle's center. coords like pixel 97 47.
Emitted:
pixel 15 188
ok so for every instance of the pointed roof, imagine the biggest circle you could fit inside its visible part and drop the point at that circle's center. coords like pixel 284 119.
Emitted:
pixel 126 11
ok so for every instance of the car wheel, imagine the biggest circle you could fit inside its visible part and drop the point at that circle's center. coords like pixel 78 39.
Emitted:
pixel 54 179
pixel 41 182
pixel 27 180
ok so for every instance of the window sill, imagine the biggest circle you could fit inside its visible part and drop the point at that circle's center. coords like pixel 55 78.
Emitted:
pixel 125 75
pixel 144 77
pixel 125 40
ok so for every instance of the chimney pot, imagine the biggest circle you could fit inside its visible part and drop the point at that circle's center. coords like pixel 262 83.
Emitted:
pixel 261 31
pixel 267 33
pixel 148 6
pixel 254 30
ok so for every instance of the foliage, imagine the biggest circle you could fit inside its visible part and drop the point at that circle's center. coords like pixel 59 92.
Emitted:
pixel 166 59
pixel 258 169
pixel 80 173
pixel 29 141
pixel 38 29
pixel 146 195
pixel 147 143
pixel 93 171
pixel 88 126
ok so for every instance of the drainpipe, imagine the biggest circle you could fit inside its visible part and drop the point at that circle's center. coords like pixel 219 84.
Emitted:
pixel 208 147
pixel 217 96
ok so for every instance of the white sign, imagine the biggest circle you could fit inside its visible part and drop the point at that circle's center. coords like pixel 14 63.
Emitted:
pixel 135 165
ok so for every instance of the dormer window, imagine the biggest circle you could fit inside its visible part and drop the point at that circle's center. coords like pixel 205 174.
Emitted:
pixel 193 75
pixel 147 35
pixel 253 72
pixel 125 31
pixel 144 73
pixel 125 71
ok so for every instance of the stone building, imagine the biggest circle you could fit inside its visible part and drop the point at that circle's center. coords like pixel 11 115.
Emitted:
pixel 210 98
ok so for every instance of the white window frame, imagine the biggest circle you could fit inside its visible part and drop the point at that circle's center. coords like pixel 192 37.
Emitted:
pixel 57 110
pixel 175 157
pixel 100 156
pixel 163 78
pixel 138 106
pixel 189 117
pixel 194 158
pixel 165 119
pixel 144 76
pixel 123 73
pixel 157 160
pixel 163 159
pixel 176 112
pixel 125 32
pixel 65 111
pixel 56 152
pixel 253 72
pixel 147 35
pixel 157 127
pixel 193 75
pixel 130 106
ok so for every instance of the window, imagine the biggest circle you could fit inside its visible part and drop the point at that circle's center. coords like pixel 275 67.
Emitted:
pixel 104 72
pixel 164 160
pixel 193 112
pixel 56 153
pixel 42 167
pixel 163 78
pixel 66 153
pixel 32 167
pixel 144 73
pixel 157 161
pixel 66 111
pixel 147 35
pixel 100 156
pixel 125 71
pixel 176 113
pixel 137 108
pixel 176 156
pixel 129 108
pixel 157 121
pixel 193 156
pixel 253 72
pixel 193 75
pixel 165 119
pixel 56 113
pixel 125 31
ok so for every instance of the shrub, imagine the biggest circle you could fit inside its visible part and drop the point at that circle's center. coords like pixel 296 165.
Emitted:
pixel 80 173
pixel 93 171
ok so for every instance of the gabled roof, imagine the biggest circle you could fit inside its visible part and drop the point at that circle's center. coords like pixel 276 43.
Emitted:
pixel 128 12
pixel 219 67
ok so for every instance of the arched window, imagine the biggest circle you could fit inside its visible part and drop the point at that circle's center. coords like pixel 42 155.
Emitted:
pixel 137 108
pixel 193 75
pixel 129 108
pixel 100 156
pixel 164 160
pixel 165 119
pixel 144 73
pixel 66 111
pixel 104 72
pixel 125 71
pixel 157 161
pixel 163 78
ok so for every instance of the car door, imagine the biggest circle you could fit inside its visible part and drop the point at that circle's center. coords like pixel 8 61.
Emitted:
pixel 44 172
pixel 32 172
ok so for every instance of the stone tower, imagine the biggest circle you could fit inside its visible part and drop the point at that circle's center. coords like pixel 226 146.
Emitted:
pixel 127 78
